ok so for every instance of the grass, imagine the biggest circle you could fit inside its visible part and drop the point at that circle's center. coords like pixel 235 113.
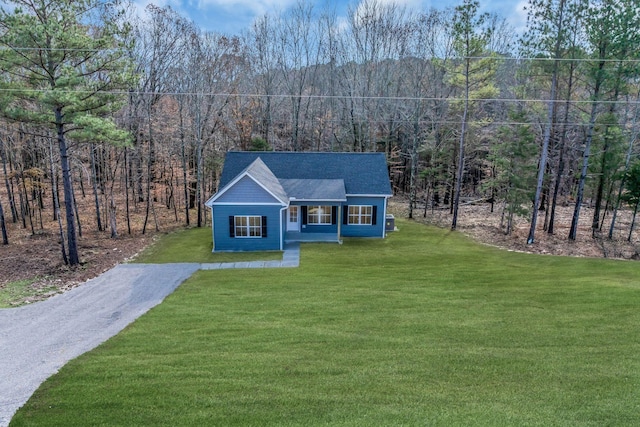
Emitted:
pixel 194 245
pixel 16 292
pixel 422 328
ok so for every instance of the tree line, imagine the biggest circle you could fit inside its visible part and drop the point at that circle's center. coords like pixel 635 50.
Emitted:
pixel 137 112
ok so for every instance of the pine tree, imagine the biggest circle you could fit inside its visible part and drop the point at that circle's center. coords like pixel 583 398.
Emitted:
pixel 66 65
pixel 632 192
pixel 474 75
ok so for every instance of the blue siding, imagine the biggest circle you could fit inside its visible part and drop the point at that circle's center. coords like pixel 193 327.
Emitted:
pixel 244 190
pixel 223 242
pixel 316 228
pixel 366 230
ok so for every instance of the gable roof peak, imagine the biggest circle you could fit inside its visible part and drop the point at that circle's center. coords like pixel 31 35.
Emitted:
pixel 260 173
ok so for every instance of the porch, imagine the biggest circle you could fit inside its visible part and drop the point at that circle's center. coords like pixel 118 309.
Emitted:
pixel 296 236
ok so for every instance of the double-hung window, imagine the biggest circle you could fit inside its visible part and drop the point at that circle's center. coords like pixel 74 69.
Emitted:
pixel 248 226
pixel 319 215
pixel 360 215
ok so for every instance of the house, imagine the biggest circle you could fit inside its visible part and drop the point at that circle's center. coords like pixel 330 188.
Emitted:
pixel 268 198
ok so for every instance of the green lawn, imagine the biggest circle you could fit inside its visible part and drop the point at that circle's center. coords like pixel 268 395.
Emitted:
pixel 194 245
pixel 422 328
pixel 14 293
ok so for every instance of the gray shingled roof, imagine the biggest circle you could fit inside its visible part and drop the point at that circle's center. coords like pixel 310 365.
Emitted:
pixel 315 189
pixel 362 173
pixel 261 173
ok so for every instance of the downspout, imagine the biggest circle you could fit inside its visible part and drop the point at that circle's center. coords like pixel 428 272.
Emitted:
pixel 282 230
pixel 213 234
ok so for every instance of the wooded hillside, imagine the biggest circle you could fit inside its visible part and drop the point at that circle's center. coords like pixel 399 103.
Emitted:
pixel 119 123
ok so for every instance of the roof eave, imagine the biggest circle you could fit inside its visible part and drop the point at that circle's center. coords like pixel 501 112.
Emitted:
pixel 316 200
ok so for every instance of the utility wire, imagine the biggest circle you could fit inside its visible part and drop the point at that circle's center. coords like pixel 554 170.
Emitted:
pixel 497 58
pixel 321 97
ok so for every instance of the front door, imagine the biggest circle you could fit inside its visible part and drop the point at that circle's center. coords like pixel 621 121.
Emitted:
pixel 293 218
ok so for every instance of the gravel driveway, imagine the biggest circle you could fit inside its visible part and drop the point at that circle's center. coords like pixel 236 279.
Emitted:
pixel 37 340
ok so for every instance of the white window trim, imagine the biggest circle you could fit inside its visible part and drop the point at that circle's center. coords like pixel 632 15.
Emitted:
pixel 247 227
pixel 320 216
pixel 360 215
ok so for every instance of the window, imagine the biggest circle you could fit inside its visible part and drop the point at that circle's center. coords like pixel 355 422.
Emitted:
pixel 319 215
pixel 249 226
pixel 360 215
pixel 293 214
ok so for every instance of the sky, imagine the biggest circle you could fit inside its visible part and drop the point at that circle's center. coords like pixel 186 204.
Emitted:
pixel 232 17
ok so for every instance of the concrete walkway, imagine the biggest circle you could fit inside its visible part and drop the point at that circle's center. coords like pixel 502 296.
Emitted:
pixel 37 340
pixel 290 258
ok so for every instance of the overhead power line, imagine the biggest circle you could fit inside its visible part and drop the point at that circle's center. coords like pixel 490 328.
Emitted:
pixel 334 97
pixel 498 58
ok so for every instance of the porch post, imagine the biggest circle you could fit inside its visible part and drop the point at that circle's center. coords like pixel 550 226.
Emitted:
pixel 339 221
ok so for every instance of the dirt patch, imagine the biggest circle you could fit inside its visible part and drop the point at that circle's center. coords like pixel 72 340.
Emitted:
pixel 36 256
pixel 478 222
pixel 39 257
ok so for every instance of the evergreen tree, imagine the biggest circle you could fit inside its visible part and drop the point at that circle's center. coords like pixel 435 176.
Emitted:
pixel 474 75
pixel 632 192
pixel 514 161
pixel 612 36
pixel 548 22
pixel 66 63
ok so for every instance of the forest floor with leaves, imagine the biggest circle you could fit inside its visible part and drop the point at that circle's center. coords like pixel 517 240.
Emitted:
pixel 35 258
pixel 478 222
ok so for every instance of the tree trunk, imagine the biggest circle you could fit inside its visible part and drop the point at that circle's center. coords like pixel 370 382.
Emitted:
pixel 560 170
pixel 627 160
pixel 12 205
pixel 72 241
pixel 587 149
pixel 139 172
pixel 633 221
pixel 414 171
pixel 149 172
pixel 199 178
pixel 27 206
pixel 126 191
pixel 112 217
pixel 56 204
pixel 3 226
pixel 463 131
pixel 184 169
pixel 75 208
pixel 595 224
pixel 94 184
pixel 544 153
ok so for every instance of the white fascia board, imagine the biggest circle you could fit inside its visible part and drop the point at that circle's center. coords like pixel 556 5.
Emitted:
pixel 249 204
pixel 318 200
pixel 210 201
pixel 370 195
